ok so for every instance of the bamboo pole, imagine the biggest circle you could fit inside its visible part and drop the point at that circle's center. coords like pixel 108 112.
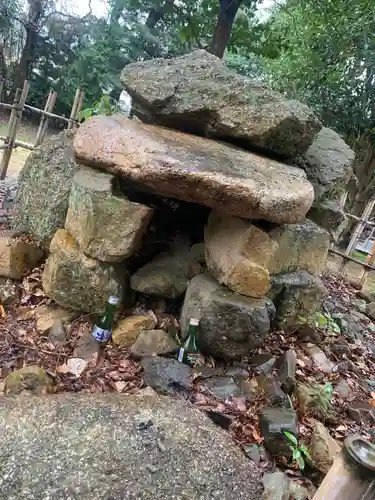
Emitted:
pixel 73 112
pixel 370 259
pixel 47 113
pixel 6 106
pixel 1 87
pixel 343 199
pixel 80 102
pixel 360 226
pixel 360 219
pixel 42 120
pixel 43 125
pixel 8 149
pixel 18 143
pixel 352 259
pixel 13 126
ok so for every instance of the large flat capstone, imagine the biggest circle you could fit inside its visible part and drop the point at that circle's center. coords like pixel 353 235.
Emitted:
pixel 195 169
pixel 115 447
pixel 197 91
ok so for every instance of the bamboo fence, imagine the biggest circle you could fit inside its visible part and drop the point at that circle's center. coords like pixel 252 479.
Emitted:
pixel 362 223
pixel 10 141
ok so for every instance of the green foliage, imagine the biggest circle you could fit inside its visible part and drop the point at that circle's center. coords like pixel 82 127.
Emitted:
pixel 105 106
pixel 324 54
pixel 322 321
pixel 299 450
pixel 321 399
pixel 89 52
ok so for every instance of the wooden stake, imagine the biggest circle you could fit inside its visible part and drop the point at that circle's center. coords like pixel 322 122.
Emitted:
pixel 80 102
pixel 360 226
pixel 73 112
pixel 8 149
pixel 43 125
pixel 13 124
pixel 42 121
pixel 17 143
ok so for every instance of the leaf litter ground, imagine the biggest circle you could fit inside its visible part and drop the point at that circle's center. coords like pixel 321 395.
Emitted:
pixel 113 370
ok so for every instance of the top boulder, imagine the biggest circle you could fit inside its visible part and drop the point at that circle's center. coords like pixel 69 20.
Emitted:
pixel 197 93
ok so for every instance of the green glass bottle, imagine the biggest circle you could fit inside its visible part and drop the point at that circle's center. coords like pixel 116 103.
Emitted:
pixel 189 352
pixel 102 330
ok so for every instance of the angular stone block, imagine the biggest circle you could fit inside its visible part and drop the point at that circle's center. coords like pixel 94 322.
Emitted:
pixel 106 227
pixel 231 325
pixel 296 295
pixel 302 246
pixel 195 169
pixel 238 254
pixel 78 282
pixel 17 256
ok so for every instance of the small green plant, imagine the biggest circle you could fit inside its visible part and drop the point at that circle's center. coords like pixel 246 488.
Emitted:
pixel 321 321
pixel 321 399
pixel 105 106
pixel 299 450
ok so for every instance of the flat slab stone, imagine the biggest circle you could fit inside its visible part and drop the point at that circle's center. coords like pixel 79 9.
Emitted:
pixel 116 447
pixel 195 169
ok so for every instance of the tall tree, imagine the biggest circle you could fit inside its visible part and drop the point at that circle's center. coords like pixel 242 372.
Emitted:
pixel 224 25
pixel 32 23
pixel 324 53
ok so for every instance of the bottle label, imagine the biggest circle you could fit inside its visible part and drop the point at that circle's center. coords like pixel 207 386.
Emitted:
pixel 194 359
pixel 181 354
pixel 101 335
pixel 113 300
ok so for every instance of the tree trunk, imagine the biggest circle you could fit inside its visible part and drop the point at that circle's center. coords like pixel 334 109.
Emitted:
pixel 156 15
pixel 23 70
pixel 221 36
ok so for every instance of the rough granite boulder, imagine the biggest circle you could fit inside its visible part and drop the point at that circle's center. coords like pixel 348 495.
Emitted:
pixel 116 447
pixel 166 275
pixel 153 343
pixel 302 246
pixel 231 325
pixel 43 188
pixel 324 449
pixel 76 281
pixel 32 379
pixel 296 295
pixel 17 256
pixel 128 329
pixel 238 254
pixel 198 92
pixel 195 169
pixel 330 215
pixel 328 166
pixel 106 227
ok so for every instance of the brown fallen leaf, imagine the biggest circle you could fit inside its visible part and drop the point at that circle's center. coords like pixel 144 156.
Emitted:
pixel 341 428
pixel 75 366
pixel 119 385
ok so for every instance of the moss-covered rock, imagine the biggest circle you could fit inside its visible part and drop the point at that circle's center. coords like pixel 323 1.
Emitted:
pixel 78 282
pixel 106 227
pixel 33 379
pixel 198 92
pixel 17 256
pixel 43 188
